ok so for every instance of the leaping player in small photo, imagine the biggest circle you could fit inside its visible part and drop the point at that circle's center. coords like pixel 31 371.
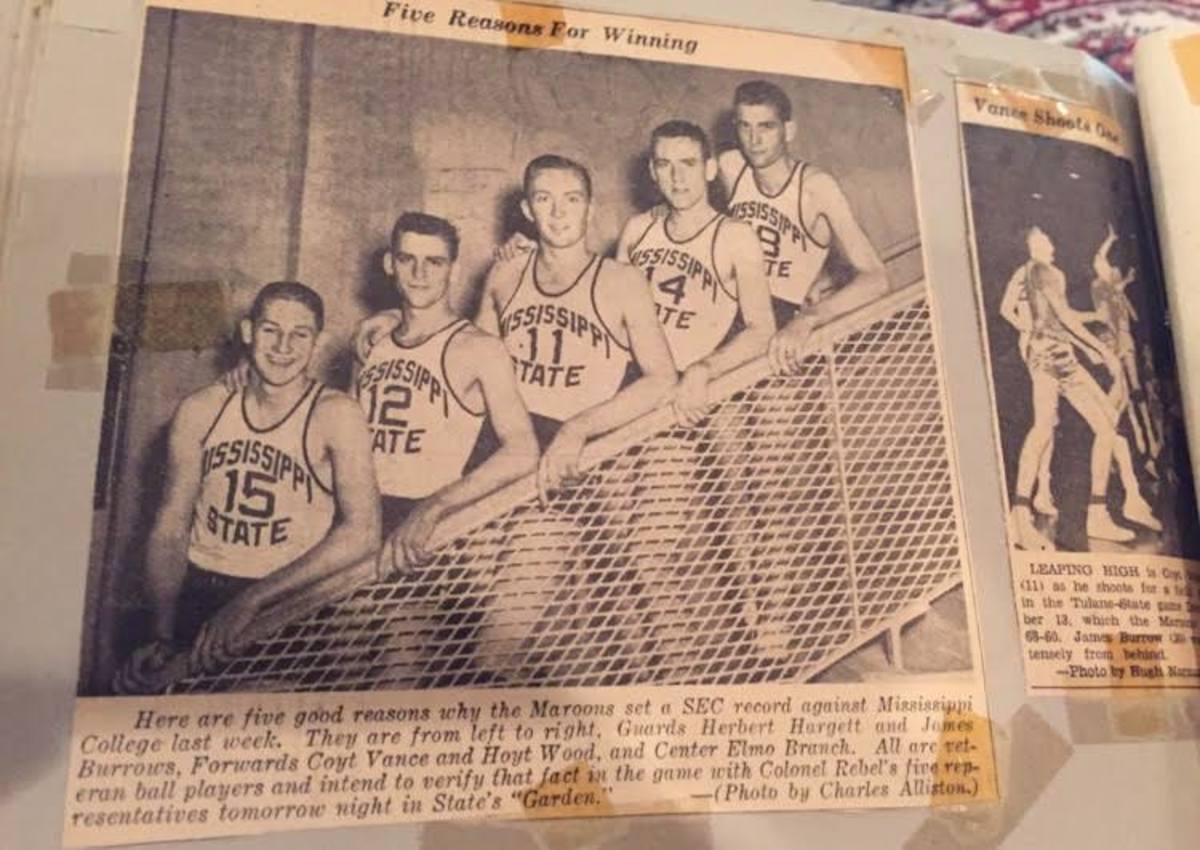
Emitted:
pixel 1052 334
pixel 801 216
pixel 270 488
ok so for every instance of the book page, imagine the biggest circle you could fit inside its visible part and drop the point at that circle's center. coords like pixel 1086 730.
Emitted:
pixel 1101 508
pixel 745 591
pixel 1168 73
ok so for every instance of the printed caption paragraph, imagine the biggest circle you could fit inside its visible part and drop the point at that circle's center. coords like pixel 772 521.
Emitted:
pixel 146 769
pixel 1109 620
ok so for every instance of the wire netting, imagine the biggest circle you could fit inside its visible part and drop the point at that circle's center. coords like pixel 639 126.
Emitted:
pixel 804 516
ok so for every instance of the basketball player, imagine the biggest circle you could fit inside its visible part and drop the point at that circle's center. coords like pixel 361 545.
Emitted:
pixel 574 323
pixel 1116 316
pixel 428 388
pixel 1053 332
pixel 269 489
pixel 705 270
pixel 800 215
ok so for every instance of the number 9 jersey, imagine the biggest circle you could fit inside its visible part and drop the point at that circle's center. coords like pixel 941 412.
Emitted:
pixel 261 505
pixel 792 255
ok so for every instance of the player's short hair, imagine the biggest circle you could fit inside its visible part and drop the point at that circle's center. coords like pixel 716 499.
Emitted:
pixel 288 290
pixel 555 162
pixel 1035 230
pixel 681 130
pixel 426 225
pixel 762 93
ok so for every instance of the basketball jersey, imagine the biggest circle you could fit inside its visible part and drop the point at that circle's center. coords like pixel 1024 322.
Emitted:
pixel 261 505
pixel 693 305
pixel 1045 322
pixel 565 357
pixel 421 432
pixel 792 255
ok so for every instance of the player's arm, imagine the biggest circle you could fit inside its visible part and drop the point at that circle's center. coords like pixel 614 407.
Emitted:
pixel 166 548
pixel 1012 296
pixel 870 278
pixel 374 328
pixel 787 348
pixel 635 228
pixel 338 426
pixel 730 164
pixel 498 286
pixel 737 250
pixel 625 288
pixel 487 364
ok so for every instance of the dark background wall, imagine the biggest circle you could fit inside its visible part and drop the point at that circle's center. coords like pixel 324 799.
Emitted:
pixel 264 151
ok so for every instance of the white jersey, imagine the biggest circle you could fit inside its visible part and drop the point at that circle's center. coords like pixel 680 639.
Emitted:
pixel 261 505
pixel 422 434
pixel 793 256
pixel 565 357
pixel 693 304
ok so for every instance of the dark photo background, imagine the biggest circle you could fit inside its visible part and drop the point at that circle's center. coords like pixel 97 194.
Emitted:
pixel 1072 191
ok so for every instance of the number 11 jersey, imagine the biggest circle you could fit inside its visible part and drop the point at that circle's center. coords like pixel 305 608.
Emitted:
pixel 565 357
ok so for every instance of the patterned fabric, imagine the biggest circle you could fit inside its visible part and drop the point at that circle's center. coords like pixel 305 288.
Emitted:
pixel 1107 29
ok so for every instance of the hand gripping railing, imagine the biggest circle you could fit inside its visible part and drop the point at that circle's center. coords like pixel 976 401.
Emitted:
pixel 806 515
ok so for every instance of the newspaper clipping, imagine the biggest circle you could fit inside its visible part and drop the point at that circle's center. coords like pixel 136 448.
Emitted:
pixel 1102 517
pixel 518 412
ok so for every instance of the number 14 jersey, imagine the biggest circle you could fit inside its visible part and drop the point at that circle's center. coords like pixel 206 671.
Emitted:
pixel 694 306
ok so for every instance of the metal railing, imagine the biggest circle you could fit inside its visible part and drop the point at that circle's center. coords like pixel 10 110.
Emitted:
pixel 805 516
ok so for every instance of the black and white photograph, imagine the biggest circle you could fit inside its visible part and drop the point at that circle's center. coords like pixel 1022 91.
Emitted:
pixel 442 363
pixel 1082 367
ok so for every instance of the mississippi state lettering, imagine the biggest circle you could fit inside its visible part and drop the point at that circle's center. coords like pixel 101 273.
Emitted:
pixel 255 454
pixel 659 257
pixel 555 316
pixel 409 372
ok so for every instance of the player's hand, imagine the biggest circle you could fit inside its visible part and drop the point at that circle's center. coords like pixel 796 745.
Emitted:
pixel 786 351
pixel 559 464
pixel 517 245
pixel 142 672
pixel 408 545
pixel 236 379
pixel 372 329
pixel 691 403
pixel 223 636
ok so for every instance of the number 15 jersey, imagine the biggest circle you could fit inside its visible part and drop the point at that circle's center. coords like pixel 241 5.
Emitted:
pixel 261 505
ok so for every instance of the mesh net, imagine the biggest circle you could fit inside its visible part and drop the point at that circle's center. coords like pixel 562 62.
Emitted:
pixel 804 516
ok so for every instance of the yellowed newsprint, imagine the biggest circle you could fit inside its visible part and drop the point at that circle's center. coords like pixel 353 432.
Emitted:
pixel 516 412
pixel 1102 518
